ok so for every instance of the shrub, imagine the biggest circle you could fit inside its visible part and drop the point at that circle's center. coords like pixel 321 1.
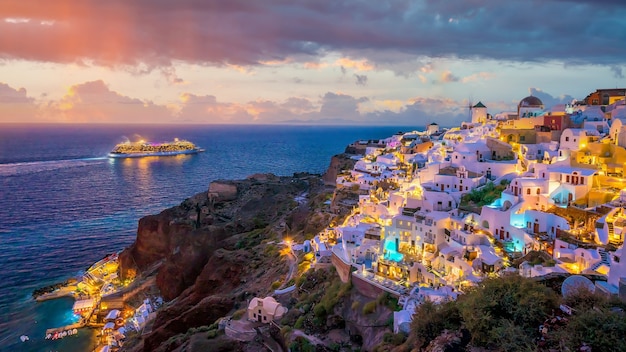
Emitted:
pixel 431 319
pixel 276 284
pixel 238 314
pixel 355 305
pixel 601 329
pixel 389 301
pixel 319 310
pixel 510 303
pixel 370 307
pixel 299 323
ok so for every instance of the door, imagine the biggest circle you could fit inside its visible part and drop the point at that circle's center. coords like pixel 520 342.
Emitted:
pixel 536 228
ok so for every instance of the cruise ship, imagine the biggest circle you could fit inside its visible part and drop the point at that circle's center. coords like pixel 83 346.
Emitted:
pixel 143 148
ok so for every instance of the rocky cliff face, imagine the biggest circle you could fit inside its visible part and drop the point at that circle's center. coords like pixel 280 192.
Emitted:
pixel 337 164
pixel 211 252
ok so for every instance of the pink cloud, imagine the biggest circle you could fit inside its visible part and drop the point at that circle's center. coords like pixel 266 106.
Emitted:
pixel 16 106
pixel 94 102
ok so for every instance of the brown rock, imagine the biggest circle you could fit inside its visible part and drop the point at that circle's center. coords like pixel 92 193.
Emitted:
pixel 337 164
pixel 220 191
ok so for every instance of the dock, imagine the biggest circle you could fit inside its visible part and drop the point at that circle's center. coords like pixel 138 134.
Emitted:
pixel 70 327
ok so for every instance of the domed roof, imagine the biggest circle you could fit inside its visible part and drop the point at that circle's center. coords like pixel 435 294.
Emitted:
pixel 531 101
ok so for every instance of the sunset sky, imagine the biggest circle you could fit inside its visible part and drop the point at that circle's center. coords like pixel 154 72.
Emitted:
pixel 317 61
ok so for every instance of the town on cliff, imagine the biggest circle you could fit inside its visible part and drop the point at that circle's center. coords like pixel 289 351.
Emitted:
pixel 344 261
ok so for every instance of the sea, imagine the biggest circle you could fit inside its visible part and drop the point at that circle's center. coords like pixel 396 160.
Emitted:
pixel 65 205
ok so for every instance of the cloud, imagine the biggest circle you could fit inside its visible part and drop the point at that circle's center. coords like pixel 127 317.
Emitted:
pixel 448 77
pixel 205 109
pixel 480 76
pixel 169 72
pixel 16 106
pixel 361 80
pixel 157 33
pixel 617 72
pixel 94 102
pixel 339 106
pixel 549 100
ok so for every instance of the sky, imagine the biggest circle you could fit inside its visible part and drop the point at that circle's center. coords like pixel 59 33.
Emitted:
pixel 300 61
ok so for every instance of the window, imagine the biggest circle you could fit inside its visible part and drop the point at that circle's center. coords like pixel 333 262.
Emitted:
pixel 537 190
pixel 582 180
pixel 528 191
pixel 522 138
pixel 567 178
pixel 567 139
pixel 255 315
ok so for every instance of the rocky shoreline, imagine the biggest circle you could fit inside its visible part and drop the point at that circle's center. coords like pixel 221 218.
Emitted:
pixel 38 293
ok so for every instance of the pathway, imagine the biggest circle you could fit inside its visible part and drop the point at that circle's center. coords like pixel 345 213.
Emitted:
pixel 312 339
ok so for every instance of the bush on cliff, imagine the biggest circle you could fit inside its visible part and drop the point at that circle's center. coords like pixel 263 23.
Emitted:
pixel 514 302
pixel 370 307
pixel 431 319
pixel 501 313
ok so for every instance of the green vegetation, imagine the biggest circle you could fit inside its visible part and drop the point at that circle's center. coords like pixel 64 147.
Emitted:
pixel 321 292
pixel 431 319
pixel 394 339
pixel 598 322
pixel 370 307
pixel 238 314
pixel 389 301
pixel 300 344
pixel 504 314
pixel 299 323
pixel 483 196
pixel 250 239
pixel 500 308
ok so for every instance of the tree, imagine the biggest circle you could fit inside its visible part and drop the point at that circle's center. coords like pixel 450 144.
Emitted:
pixel 498 309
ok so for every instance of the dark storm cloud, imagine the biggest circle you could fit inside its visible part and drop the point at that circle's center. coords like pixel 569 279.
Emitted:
pixel 155 33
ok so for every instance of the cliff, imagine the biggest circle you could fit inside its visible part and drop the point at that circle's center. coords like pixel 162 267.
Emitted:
pixel 338 163
pixel 217 249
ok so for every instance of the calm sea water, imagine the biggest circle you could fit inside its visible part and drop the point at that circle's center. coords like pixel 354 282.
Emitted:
pixel 64 205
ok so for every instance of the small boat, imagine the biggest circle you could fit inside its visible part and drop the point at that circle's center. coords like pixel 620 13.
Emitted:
pixel 24 338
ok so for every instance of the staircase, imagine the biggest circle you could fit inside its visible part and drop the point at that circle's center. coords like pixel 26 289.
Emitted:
pixel 612 240
pixel 604 259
